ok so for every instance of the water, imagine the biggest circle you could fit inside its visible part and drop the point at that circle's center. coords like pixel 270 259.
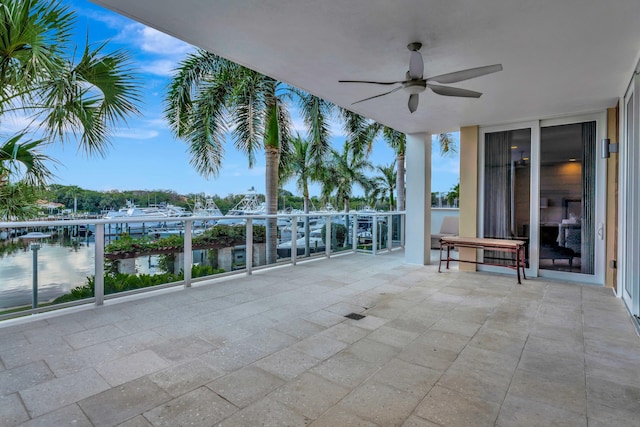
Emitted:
pixel 63 264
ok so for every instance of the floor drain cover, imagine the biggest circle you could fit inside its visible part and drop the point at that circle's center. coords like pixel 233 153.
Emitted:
pixel 355 316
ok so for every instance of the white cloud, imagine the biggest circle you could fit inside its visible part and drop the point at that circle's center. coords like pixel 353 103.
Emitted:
pixel 159 67
pixel 154 41
pixel 135 133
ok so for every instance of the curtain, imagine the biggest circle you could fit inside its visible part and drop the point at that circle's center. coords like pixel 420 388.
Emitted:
pixel 497 185
pixel 588 197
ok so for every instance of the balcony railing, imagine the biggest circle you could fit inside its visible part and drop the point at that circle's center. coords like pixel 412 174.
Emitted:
pixel 48 265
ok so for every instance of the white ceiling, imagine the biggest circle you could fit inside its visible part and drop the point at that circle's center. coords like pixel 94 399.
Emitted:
pixel 559 56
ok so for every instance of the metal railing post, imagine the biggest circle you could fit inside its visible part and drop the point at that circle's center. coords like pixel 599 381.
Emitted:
pixel 98 290
pixel 294 239
pixel 374 235
pixel 248 251
pixel 354 234
pixel 390 232
pixel 328 238
pixel 188 253
pixel 403 218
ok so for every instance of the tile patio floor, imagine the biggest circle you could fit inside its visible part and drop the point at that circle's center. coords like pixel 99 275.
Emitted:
pixel 450 349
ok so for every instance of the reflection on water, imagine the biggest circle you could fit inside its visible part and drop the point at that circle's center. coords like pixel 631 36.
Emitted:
pixel 63 264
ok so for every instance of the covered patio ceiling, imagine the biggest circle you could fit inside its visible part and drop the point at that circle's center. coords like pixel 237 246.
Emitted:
pixel 558 57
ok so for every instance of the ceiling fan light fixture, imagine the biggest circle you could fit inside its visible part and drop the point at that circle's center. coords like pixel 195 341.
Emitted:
pixel 415 86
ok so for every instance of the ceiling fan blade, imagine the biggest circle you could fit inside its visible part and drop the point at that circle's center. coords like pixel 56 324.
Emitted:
pixel 413 102
pixel 453 91
pixel 416 65
pixel 462 75
pixel 367 81
pixel 378 96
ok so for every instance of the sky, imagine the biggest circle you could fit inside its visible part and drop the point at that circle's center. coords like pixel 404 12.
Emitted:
pixel 144 155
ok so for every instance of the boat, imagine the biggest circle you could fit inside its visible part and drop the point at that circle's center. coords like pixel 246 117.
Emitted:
pixel 249 205
pixel 316 244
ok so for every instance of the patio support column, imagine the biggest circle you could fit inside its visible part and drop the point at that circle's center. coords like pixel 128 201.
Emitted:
pixel 418 199
pixel 468 192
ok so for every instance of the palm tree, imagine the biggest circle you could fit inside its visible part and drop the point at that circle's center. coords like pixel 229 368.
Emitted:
pixel 397 141
pixel 302 166
pixel 209 95
pixel 384 183
pixel 62 96
pixel 343 171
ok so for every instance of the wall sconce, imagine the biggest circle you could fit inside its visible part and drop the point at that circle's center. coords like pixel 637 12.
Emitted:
pixel 607 147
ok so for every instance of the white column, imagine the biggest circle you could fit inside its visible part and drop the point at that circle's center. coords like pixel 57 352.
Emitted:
pixel 418 199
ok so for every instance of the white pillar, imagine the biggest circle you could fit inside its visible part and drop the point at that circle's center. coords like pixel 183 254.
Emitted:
pixel 418 199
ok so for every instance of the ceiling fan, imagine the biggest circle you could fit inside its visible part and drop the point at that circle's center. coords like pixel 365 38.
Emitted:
pixel 414 83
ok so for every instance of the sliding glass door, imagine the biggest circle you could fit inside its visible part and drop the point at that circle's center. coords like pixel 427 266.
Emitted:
pixel 543 182
pixel 629 274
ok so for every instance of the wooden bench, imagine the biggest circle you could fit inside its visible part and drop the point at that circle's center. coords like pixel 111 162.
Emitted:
pixel 514 247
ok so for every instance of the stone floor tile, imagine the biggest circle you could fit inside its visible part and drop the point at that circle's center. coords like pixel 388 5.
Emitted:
pixel 54 332
pixel 570 366
pixel 516 412
pixel 337 416
pixel 177 350
pixel 345 369
pixel 425 355
pixel 309 395
pixel 245 386
pixel 614 349
pixel 132 366
pixel 393 337
pixel 418 324
pixel 60 392
pixel 324 318
pixel 16 379
pixel 614 370
pixel 299 329
pixel 487 360
pixel 373 351
pixel 12 412
pixel 320 347
pixel 136 342
pixel 287 363
pixel 70 415
pixel 233 356
pixel 408 377
pixel 223 335
pixel 440 340
pixel 94 336
pixel 614 395
pixel 486 385
pixel 369 322
pixel 455 326
pixel 139 421
pixel 267 413
pixel 118 404
pixel 87 357
pixel 179 379
pixel 499 341
pixel 379 403
pixel 414 421
pixel 560 392
pixel 565 347
pixel 29 353
pixel 200 407
pixel 449 408
pixel 599 415
pixel 345 332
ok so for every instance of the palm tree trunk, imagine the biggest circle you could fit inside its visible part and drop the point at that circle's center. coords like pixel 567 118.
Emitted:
pixel 271 182
pixel 307 228
pixel 400 181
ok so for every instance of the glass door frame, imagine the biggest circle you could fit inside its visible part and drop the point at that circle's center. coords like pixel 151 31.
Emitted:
pixel 598 278
pixel 629 200
pixel 534 202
